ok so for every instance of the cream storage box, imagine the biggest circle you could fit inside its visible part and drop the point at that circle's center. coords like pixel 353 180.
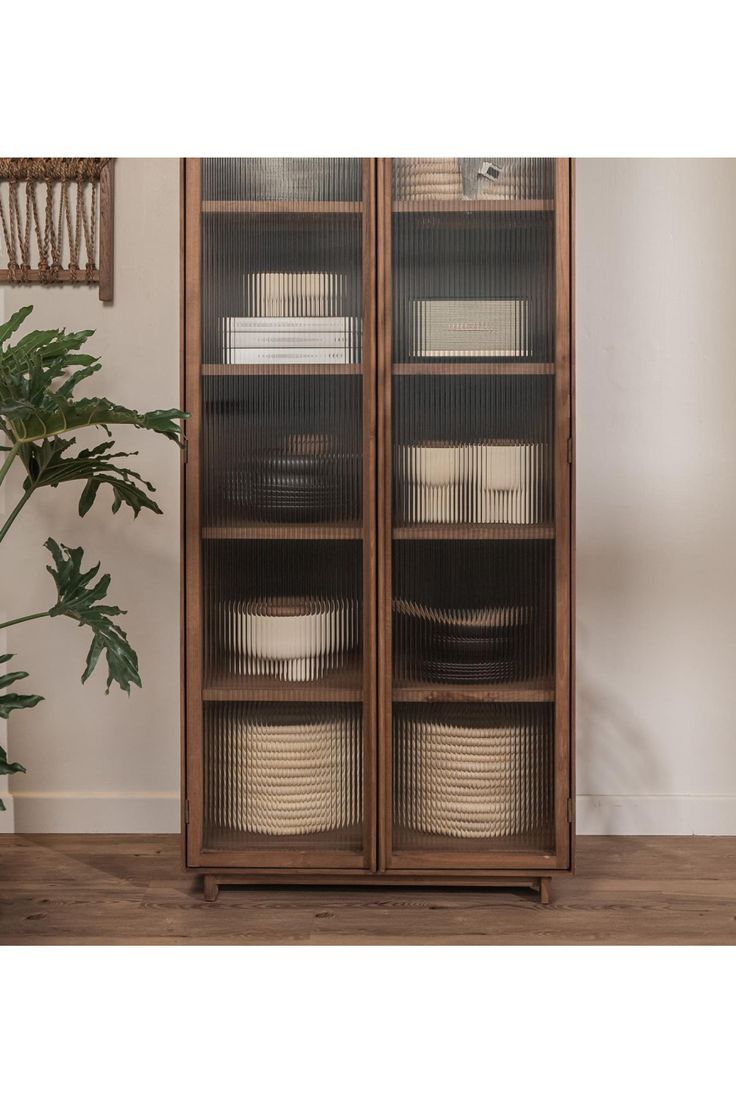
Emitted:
pixel 459 328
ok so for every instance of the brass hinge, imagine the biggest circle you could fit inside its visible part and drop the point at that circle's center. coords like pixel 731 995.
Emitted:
pixel 570 810
pixel 186 450
pixel 186 812
pixel 569 450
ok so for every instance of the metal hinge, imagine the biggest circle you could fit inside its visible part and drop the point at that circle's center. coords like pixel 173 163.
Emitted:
pixel 570 810
pixel 569 450
pixel 186 812
pixel 186 450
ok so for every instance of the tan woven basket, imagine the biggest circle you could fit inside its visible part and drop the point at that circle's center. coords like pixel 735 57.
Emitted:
pixel 470 783
pixel 282 776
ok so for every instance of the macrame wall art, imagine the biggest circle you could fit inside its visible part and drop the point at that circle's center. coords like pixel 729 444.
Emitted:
pixel 56 221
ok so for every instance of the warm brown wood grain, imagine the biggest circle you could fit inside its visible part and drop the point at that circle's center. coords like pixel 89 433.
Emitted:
pixel 384 519
pixel 107 230
pixel 368 246
pixel 102 890
pixel 282 369
pixel 474 532
pixel 474 368
pixel 470 206
pixel 562 482
pixel 487 692
pixel 282 532
pixel 191 577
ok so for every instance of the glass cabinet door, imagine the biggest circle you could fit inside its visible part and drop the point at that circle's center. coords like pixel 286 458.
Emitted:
pixel 475 525
pixel 280 355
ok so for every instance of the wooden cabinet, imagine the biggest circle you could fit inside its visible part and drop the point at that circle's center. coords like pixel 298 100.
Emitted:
pixel 378 520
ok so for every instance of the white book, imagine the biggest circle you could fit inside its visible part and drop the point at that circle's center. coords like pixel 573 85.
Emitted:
pixel 266 339
pixel 288 356
pixel 286 323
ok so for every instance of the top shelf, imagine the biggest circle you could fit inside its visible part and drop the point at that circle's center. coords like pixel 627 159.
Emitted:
pixel 279 206
pixel 471 206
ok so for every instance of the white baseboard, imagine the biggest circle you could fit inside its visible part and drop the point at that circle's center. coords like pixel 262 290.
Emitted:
pixel 96 812
pixel 656 815
pixel 597 815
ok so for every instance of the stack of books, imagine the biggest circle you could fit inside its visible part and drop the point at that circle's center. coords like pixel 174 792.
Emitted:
pixel 294 318
pixel 284 340
pixel 459 328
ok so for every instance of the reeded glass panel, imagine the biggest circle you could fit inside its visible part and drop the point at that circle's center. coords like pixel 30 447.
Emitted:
pixel 472 612
pixel 281 501
pixel 473 555
pixel 282 774
pixel 473 286
pixel 472 449
pixel 282 450
pixel 473 178
pixel 473 777
pixel 289 179
pixel 283 612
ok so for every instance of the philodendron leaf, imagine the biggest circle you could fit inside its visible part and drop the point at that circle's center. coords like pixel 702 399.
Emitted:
pixel 8 768
pixel 11 701
pixel 48 465
pixel 79 597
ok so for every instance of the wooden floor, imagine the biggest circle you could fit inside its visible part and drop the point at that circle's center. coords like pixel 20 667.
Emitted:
pixel 129 889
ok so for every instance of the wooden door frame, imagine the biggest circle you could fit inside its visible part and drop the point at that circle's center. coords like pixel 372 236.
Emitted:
pixel 562 860
pixel 195 857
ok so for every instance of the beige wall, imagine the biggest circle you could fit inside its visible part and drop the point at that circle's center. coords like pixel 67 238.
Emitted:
pixel 97 762
pixel 656 416
pixel 656 390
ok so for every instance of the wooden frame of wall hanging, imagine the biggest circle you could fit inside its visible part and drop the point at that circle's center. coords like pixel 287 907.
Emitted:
pixel 56 221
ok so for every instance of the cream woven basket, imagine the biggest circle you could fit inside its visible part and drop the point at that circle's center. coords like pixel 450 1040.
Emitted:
pixel 470 782
pixel 271 773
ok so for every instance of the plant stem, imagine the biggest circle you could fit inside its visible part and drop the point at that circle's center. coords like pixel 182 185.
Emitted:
pixel 19 620
pixel 14 513
pixel 8 461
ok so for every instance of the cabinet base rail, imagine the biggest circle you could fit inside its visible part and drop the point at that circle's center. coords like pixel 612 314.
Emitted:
pixel 212 882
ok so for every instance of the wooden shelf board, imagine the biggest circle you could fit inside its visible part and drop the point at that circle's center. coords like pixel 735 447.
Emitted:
pixel 342 685
pixel 282 532
pixel 484 692
pixel 469 368
pixel 474 532
pixel 279 206
pixel 282 369
pixel 471 206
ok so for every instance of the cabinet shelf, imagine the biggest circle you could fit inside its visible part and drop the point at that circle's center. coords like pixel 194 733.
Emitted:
pixel 343 685
pixel 474 532
pixel 471 206
pixel 538 691
pixel 468 368
pixel 282 369
pixel 280 206
pixel 282 532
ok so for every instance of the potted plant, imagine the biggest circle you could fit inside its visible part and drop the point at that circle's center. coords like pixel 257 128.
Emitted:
pixel 40 417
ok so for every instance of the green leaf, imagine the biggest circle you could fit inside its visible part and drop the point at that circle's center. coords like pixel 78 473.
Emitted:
pixel 9 702
pixel 14 323
pixel 79 597
pixel 48 465
pixel 9 768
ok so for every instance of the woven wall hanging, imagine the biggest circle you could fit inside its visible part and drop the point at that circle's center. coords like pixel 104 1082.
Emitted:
pixel 56 221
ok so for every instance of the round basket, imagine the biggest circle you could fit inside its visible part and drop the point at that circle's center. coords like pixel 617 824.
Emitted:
pixel 284 777
pixel 470 782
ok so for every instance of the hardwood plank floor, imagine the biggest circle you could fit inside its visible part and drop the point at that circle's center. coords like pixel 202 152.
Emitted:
pixel 98 889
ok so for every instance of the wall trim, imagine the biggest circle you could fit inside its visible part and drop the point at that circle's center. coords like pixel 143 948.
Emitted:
pixel 656 815
pixel 79 811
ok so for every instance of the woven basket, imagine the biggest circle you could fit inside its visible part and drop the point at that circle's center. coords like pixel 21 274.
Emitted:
pixel 282 777
pixel 471 783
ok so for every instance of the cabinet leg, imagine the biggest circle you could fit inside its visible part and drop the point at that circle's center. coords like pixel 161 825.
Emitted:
pixel 210 887
pixel 544 890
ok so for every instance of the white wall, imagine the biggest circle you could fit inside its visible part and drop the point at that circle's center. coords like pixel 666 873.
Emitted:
pixel 656 384
pixel 656 417
pixel 97 762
